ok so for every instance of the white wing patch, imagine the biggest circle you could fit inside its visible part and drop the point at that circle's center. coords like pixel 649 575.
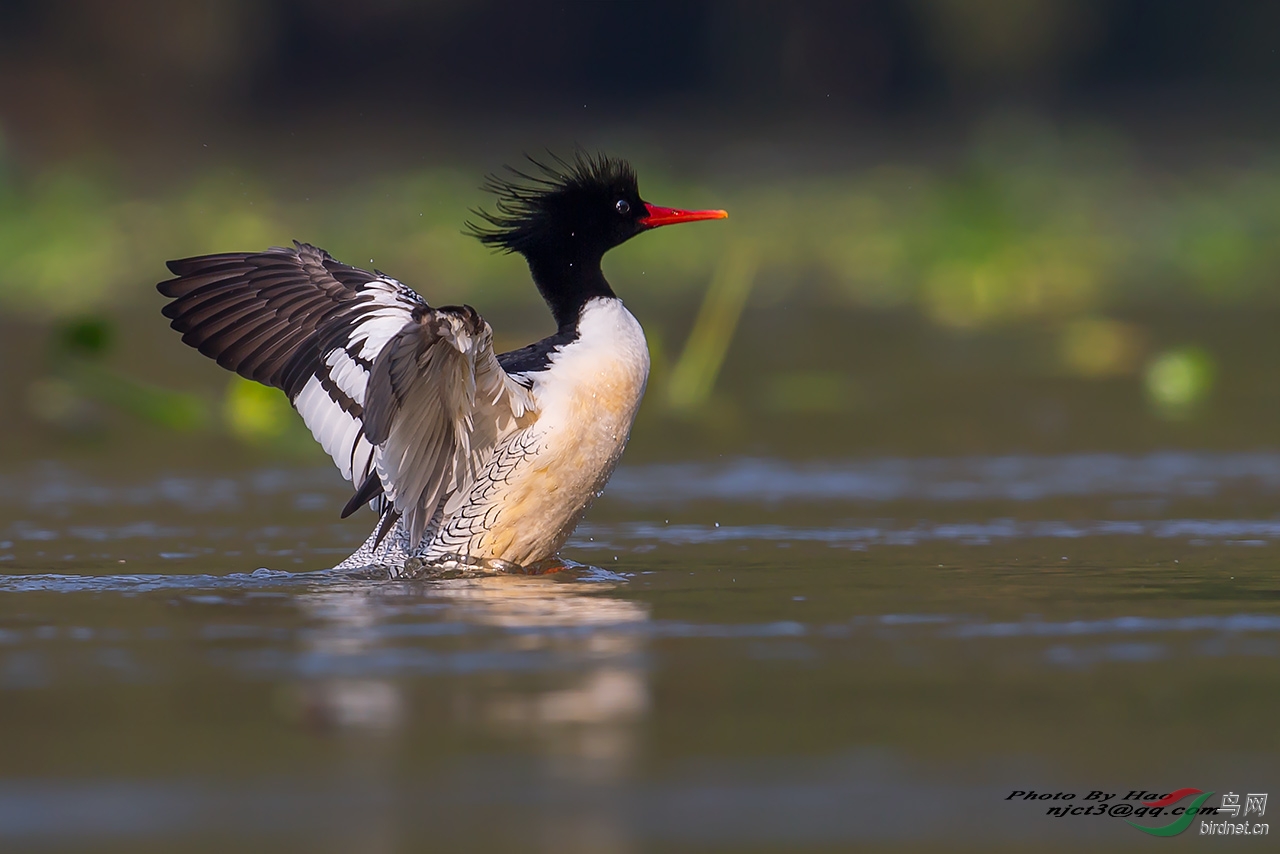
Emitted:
pixel 335 430
pixel 348 374
pixel 333 399
pixel 377 328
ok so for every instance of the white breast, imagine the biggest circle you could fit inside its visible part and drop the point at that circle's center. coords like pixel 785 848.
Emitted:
pixel 604 369
pixel 586 400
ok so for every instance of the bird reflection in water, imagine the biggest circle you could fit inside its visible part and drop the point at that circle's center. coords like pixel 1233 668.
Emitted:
pixel 557 664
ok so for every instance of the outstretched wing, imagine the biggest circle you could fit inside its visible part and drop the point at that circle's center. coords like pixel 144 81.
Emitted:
pixel 300 321
pixel 438 403
pixel 297 319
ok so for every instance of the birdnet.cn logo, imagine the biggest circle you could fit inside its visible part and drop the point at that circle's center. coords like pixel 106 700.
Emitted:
pixel 1235 815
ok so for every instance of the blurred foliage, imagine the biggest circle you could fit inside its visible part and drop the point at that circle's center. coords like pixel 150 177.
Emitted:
pixel 1100 347
pixel 87 336
pixel 1031 221
pixel 1179 380
pixel 1031 225
pixel 135 132
pixel 76 70
pixel 82 379
pixel 258 414
pixel 809 392
pixel 176 410
pixel 694 374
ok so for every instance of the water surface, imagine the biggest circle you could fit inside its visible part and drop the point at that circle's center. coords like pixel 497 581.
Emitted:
pixel 764 655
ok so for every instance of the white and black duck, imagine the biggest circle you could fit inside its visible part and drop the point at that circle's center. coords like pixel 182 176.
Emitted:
pixel 469 457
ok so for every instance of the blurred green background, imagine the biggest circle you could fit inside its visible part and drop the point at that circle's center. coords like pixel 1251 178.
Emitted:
pixel 936 206
pixel 908 541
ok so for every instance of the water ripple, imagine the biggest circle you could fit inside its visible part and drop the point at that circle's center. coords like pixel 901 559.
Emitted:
pixel 55 583
pixel 1233 623
pixel 1015 478
pixel 1229 531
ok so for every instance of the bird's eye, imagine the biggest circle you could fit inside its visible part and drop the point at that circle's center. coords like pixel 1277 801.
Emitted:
pixel 623 207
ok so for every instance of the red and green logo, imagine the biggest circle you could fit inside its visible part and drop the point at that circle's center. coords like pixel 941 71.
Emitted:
pixel 1183 821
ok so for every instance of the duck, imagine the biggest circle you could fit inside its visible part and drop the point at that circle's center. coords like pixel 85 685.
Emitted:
pixel 471 459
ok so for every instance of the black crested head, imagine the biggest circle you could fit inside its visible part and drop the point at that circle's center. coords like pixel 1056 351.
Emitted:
pixel 563 216
pixel 575 210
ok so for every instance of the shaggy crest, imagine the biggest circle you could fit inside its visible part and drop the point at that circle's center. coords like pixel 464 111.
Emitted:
pixel 527 202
